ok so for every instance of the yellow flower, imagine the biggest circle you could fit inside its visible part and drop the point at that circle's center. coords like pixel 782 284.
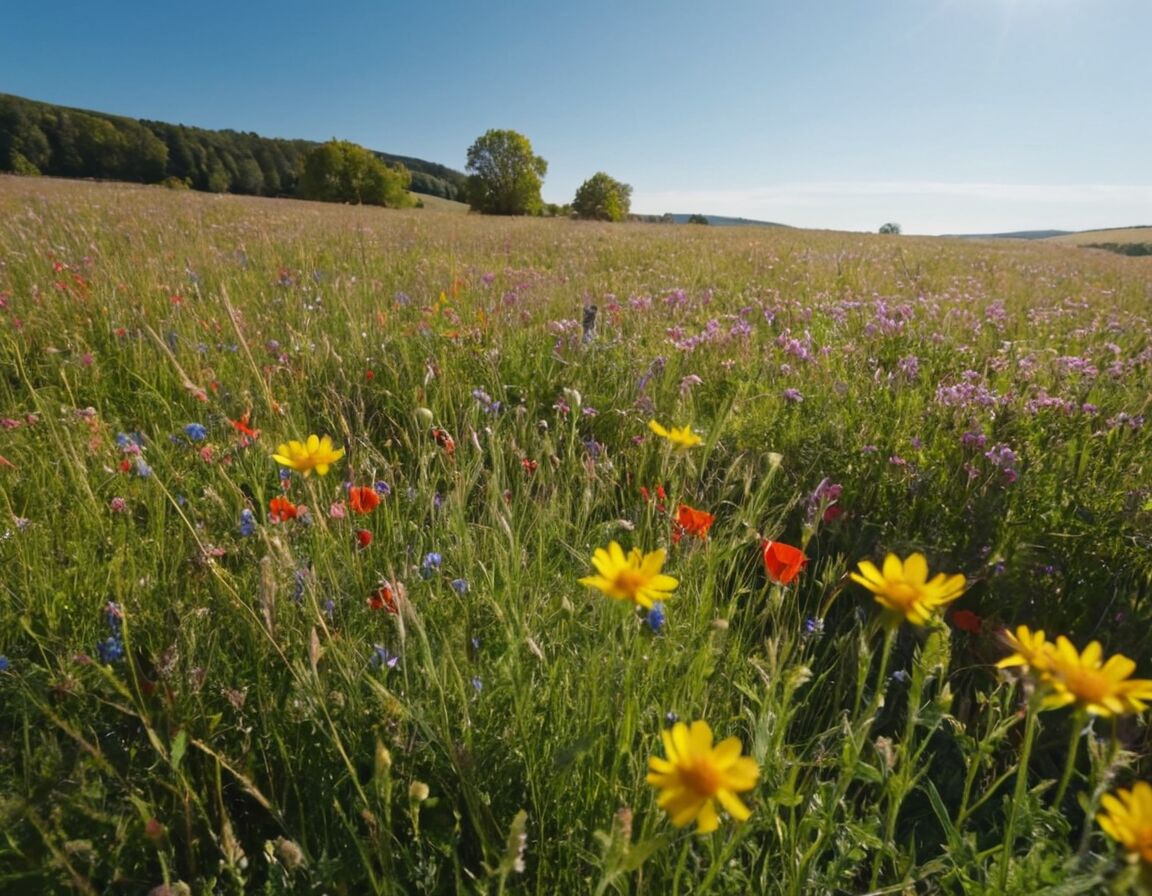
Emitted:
pixel 1127 818
pixel 904 589
pixel 1032 650
pixel 636 577
pixel 304 457
pixel 694 776
pixel 1101 688
pixel 680 436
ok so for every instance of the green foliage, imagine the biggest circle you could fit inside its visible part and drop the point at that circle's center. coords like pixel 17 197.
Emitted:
pixel 76 143
pixel 698 219
pixel 340 171
pixel 506 175
pixel 890 229
pixel 19 164
pixel 603 198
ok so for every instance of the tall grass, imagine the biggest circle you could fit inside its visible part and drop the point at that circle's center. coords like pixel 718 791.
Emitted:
pixel 193 700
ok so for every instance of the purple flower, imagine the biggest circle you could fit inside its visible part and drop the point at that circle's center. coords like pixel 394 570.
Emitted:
pixel 247 522
pixel 793 396
pixel 382 658
pixel 460 586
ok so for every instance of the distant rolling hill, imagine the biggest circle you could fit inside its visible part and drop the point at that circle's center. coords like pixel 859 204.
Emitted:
pixel 724 221
pixel 1015 235
pixel 1138 234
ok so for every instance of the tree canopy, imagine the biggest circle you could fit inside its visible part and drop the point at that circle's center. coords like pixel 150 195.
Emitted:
pixel 603 198
pixel 340 171
pixel 55 140
pixel 891 228
pixel 506 176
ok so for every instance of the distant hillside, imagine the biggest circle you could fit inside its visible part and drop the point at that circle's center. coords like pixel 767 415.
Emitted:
pixel 1015 235
pixel 42 138
pixel 724 221
pixel 1137 234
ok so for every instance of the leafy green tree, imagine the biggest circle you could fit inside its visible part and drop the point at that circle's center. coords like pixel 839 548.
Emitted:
pixel 603 198
pixel 506 176
pixel 340 171
pixel 698 219
pixel 890 228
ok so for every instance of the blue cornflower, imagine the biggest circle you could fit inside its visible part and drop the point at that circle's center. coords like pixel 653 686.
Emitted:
pixel 4 664
pixel 130 442
pixel 197 432
pixel 431 563
pixel 110 650
pixel 656 617
pixel 382 658
pixel 814 627
pixel 247 522
pixel 460 586
pixel 477 684
pixel 383 489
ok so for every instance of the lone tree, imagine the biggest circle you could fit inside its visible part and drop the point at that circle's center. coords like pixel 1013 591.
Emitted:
pixel 603 198
pixel 890 228
pixel 339 171
pixel 506 175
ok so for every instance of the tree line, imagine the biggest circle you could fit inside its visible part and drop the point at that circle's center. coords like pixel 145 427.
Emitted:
pixel 42 138
pixel 504 176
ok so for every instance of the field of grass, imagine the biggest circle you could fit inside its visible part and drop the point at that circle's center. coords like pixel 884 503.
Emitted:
pixel 220 675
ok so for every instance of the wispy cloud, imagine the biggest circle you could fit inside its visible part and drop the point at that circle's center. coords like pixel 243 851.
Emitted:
pixel 920 206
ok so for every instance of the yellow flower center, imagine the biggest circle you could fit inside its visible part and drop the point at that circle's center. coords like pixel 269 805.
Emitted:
pixel 903 593
pixel 630 581
pixel 1143 843
pixel 702 777
pixel 1088 685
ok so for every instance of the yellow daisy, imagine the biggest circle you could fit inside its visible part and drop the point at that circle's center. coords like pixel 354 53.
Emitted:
pixel 903 587
pixel 314 454
pixel 1033 652
pixel 680 436
pixel 635 577
pixel 694 775
pixel 1101 688
pixel 1127 818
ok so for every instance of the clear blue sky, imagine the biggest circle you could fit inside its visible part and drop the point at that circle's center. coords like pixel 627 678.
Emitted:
pixel 943 115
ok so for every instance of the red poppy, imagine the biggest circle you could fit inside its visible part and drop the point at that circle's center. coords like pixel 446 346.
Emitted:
pixel 661 496
pixel 967 621
pixel 529 465
pixel 363 538
pixel 783 562
pixel 445 441
pixel 281 509
pixel 383 598
pixel 690 521
pixel 241 425
pixel 363 498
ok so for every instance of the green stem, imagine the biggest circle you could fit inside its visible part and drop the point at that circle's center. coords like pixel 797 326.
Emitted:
pixel 680 864
pixel 1070 764
pixel 726 853
pixel 1030 724
pixel 862 725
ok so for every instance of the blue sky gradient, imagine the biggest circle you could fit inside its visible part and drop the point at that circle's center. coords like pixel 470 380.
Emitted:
pixel 947 116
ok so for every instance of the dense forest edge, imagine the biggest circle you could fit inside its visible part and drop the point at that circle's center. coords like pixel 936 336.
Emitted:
pixel 42 138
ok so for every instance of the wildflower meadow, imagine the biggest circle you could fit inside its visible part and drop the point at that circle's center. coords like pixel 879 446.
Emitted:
pixel 355 551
